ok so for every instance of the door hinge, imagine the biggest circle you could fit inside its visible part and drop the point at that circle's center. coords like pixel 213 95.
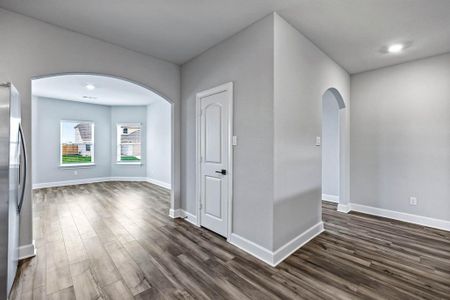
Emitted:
pixel 201 206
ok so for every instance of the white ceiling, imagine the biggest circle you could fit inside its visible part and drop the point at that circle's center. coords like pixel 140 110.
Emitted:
pixel 108 90
pixel 174 30
pixel 352 32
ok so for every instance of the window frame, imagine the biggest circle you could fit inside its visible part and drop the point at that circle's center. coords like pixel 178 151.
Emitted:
pixel 92 163
pixel 118 144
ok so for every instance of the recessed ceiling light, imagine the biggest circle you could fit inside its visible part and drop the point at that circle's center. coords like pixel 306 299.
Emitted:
pixel 89 97
pixel 90 87
pixel 395 48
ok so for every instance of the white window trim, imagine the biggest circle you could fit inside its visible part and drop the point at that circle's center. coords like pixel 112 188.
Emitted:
pixel 77 165
pixel 122 162
pixel 129 163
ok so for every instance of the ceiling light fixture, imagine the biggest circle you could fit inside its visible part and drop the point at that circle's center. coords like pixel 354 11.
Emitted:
pixel 396 48
pixel 90 87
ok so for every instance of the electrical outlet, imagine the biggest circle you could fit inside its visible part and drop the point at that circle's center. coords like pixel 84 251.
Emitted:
pixel 412 201
pixel 75 172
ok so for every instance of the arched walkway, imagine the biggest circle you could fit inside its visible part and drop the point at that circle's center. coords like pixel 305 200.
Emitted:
pixel 334 148
pixel 141 88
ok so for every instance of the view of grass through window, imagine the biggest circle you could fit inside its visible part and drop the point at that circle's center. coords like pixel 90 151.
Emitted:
pixel 77 145
pixel 129 142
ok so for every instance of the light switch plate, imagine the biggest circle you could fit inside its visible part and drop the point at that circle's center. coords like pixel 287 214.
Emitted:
pixel 318 141
pixel 234 140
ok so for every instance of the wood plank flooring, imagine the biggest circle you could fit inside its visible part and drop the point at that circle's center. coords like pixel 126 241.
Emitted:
pixel 115 241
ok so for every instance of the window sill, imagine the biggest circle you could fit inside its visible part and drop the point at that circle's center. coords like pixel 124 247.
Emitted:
pixel 71 166
pixel 129 163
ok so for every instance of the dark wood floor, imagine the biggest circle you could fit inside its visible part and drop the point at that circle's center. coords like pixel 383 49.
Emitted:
pixel 114 241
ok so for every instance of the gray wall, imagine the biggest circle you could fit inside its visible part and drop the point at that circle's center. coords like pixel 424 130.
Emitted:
pixel 330 145
pixel 128 114
pixel 279 78
pixel 159 129
pixel 302 75
pixel 47 116
pixel 32 48
pixel 247 60
pixel 400 137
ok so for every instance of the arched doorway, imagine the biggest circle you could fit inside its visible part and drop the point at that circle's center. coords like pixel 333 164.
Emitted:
pixel 334 147
pixel 98 87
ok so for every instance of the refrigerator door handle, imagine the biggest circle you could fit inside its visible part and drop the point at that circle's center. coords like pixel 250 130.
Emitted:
pixel 24 181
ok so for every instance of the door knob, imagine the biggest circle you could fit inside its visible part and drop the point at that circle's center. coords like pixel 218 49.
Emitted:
pixel 223 172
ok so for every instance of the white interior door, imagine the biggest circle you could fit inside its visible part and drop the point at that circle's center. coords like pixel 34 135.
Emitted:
pixel 215 158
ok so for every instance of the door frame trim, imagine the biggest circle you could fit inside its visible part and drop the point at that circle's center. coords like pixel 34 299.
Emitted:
pixel 226 87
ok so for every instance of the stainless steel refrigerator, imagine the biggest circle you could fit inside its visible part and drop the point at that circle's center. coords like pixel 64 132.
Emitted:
pixel 12 184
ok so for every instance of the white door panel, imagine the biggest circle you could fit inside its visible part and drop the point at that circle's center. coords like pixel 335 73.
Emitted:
pixel 213 133
pixel 213 192
pixel 214 140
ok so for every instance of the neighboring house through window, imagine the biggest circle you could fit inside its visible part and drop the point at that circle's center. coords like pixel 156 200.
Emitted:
pixel 77 143
pixel 129 143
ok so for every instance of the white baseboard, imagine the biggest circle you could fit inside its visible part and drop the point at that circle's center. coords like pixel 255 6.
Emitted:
pixel 345 208
pixel 99 179
pixel 273 258
pixel 330 198
pixel 175 213
pixel 252 248
pixel 27 251
pixel 69 182
pixel 159 183
pixel 296 243
pixel 119 178
pixel 189 217
pixel 401 216
pixel 182 214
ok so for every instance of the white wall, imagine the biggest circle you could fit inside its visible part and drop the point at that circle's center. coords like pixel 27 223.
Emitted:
pixel 159 130
pixel 32 48
pixel 129 114
pixel 302 75
pixel 400 137
pixel 330 146
pixel 247 60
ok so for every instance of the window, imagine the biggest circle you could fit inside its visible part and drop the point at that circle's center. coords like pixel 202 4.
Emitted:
pixel 77 143
pixel 129 143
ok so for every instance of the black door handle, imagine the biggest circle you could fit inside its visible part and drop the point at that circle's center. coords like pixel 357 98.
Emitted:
pixel 223 172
